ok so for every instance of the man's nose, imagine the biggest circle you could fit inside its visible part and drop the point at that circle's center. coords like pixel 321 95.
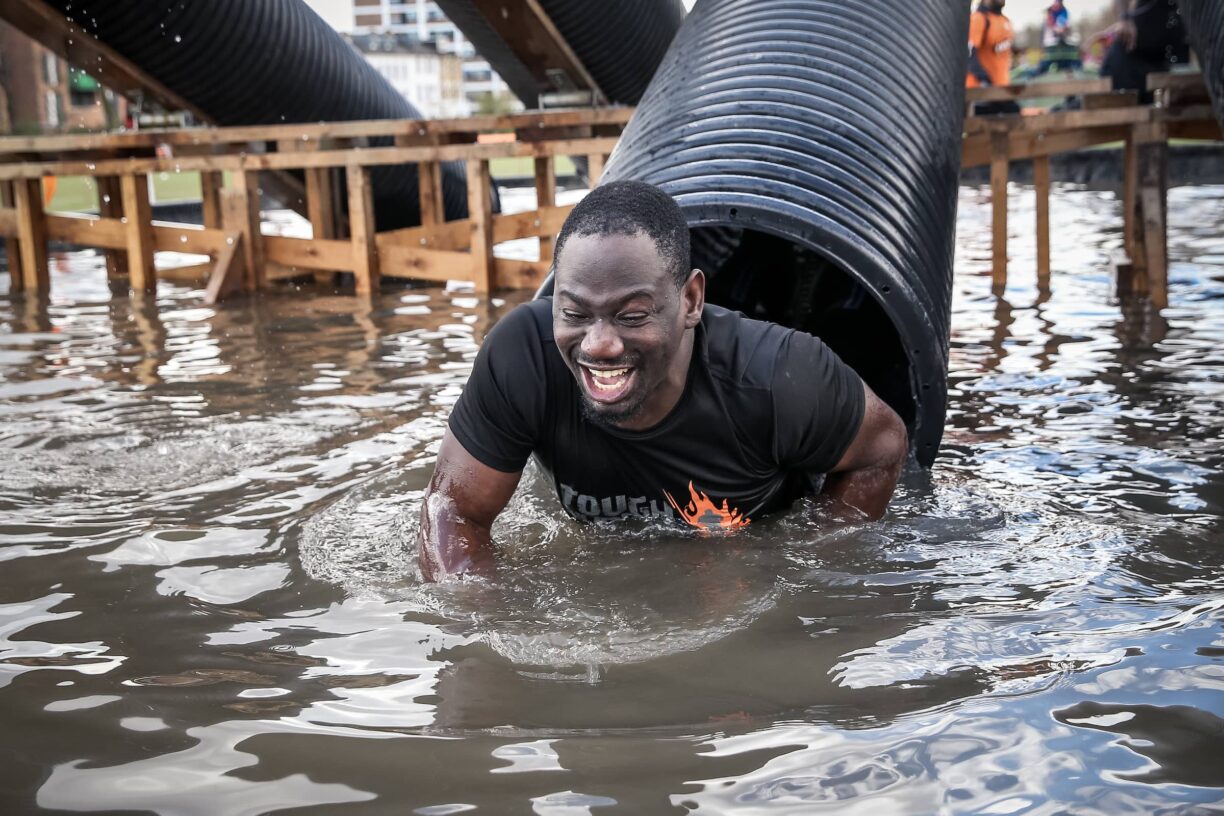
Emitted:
pixel 602 342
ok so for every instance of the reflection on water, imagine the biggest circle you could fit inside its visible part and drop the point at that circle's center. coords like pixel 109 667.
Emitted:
pixel 210 604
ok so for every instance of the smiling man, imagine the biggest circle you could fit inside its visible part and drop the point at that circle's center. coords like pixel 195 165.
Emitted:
pixel 643 402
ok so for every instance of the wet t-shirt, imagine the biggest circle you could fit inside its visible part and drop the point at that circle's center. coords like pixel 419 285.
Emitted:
pixel 765 409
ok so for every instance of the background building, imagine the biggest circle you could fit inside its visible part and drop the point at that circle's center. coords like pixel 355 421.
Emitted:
pixel 41 93
pixel 430 80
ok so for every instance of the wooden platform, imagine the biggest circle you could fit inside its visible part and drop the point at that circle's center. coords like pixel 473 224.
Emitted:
pixel 236 162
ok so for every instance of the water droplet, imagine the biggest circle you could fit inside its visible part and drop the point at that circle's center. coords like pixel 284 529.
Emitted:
pixel 178 38
pixel 92 166
pixel 105 199
pixel 229 240
pixel 123 219
pixel 182 239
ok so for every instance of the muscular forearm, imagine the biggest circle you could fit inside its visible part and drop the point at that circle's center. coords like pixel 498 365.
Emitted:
pixel 448 544
pixel 867 490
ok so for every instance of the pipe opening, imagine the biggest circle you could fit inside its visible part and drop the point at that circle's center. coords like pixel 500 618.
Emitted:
pixel 771 277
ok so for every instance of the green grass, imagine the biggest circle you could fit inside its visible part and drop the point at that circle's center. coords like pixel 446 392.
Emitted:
pixel 80 193
pixel 524 167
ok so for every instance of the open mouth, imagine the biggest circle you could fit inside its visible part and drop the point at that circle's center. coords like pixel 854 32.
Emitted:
pixel 606 385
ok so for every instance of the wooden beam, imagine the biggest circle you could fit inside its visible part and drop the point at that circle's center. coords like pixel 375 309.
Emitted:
pixel 546 221
pixel 362 233
pixel 240 214
pixel 1041 186
pixel 368 157
pixel 480 216
pixel 595 168
pixel 1180 81
pixel 998 201
pixel 1062 120
pixel 313 254
pixel 8 228
pixel 546 196
pixel 1113 99
pixel 1131 237
pixel 516 274
pixel 138 232
pixel 1153 179
pixel 451 235
pixel 210 198
pixel 32 235
pixel 227 275
pixel 402 261
pixel 431 197
pixel 83 230
pixel 1037 90
pixel 110 206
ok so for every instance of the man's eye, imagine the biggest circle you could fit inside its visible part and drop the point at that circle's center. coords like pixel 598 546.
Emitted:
pixel 572 316
pixel 634 318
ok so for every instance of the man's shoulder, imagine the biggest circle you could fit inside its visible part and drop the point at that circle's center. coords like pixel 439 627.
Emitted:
pixel 743 351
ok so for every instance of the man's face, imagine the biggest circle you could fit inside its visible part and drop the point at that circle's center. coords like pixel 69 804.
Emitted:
pixel 620 322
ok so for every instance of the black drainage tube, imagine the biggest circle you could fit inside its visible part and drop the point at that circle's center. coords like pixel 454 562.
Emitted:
pixel 814 146
pixel 1205 21
pixel 259 62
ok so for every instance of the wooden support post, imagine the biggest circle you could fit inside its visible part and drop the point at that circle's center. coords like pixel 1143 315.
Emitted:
pixel 432 198
pixel 1041 185
pixel 138 232
pixel 1130 188
pixel 110 205
pixel 12 246
pixel 546 196
pixel 211 182
pixel 240 214
pixel 1153 180
pixel 595 168
pixel 362 231
pixel 32 234
pixel 226 277
pixel 998 200
pixel 480 215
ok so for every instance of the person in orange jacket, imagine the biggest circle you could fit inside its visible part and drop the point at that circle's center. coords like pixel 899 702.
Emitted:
pixel 990 53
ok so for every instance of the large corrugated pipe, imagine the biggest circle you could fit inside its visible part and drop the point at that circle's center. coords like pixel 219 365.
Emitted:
pixel 814 146
pixel 257 62
pixel 620 43
pixel 1205 20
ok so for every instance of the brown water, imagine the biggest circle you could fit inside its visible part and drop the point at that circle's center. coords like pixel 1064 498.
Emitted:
pixel 209 604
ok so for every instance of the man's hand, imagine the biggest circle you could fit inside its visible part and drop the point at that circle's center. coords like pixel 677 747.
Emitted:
pixel 866 476
pixel 462 500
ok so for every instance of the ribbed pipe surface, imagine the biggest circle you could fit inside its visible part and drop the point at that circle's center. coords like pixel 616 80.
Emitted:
pixel 258 62
pixel 1205 20
pixel 620 43
pixel 814 146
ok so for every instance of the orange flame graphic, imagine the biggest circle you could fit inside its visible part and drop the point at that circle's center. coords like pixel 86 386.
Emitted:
pixel 703 514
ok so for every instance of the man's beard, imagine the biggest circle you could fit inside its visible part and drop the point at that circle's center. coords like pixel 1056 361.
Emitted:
pixel 599 415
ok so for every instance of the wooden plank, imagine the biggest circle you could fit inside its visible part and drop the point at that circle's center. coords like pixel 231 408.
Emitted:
pixel 1131 240
pixel 210 198
pixel 1113 99
pixel 188 238
pixel 362 233
pixel 1037 90
pixel 32 235
pixel 227 275
pixel 1062 120
pixel 975 150
pixel 191 273
pixel 1041 185
pixel 1153 178
pixel 595 168
pixel 546 196
pixel 1180 81
pixel 308 133
pixel 8 228
pixel 516 274
pixel 546 221
pixel 321 211
pixel 402 261
pixel 240 214
pixel 367 157
pixel 308 253
pixel 451 235
pixel 480 217
pixel 138 231
pixel 110 205
pixel 84 230
pixel 998 202
pixel 431 197
pixel 1205 129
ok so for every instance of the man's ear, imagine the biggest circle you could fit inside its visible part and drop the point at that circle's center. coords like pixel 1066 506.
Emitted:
pixel 694 298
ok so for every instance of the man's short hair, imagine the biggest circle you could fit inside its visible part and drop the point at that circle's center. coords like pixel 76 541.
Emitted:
pixel 627 208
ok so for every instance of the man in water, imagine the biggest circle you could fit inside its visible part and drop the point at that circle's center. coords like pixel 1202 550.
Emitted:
pixel 642 402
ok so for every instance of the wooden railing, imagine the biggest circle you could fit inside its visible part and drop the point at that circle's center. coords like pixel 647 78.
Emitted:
pixel 233 164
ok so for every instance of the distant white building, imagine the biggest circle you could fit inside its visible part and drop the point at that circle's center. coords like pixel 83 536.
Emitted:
pixel 430 80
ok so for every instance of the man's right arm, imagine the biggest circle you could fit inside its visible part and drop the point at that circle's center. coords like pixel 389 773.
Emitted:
pixel 462 500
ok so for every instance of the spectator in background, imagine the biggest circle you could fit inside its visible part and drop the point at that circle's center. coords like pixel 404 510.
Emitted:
pixel 1059 51
pixel 990 54
pixel 1149 37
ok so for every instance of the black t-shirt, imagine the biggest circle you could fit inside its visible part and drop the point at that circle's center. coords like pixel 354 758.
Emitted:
pixel 764 409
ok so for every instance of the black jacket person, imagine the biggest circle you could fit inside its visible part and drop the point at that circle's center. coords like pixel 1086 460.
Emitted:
pixel 642 402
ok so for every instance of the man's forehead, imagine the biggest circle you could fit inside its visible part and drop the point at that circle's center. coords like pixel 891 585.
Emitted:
pixel 605 263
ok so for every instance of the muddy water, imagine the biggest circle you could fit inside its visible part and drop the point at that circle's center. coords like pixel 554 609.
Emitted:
pixel 209 604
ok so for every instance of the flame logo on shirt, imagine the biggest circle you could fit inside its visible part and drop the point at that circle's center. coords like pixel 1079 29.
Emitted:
pixel 702 513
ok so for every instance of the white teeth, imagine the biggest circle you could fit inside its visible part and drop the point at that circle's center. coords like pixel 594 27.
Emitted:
pixel 608 379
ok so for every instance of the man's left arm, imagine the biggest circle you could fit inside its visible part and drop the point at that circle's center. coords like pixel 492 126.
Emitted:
pixel 866 475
